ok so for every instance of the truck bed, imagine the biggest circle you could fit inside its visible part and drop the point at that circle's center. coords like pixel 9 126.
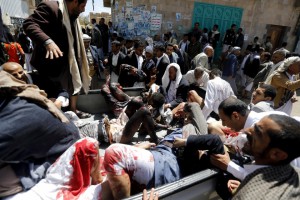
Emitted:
pixel 200 185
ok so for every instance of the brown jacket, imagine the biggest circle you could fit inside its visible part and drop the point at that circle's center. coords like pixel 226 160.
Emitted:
pixel 47 22
pixel 285 88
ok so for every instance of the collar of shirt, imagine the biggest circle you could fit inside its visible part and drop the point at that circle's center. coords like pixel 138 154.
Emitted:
pixel 115 58
pixel 158 60
pixel 140 61
pixel 290 76
pixel 252 118
pixel 252 167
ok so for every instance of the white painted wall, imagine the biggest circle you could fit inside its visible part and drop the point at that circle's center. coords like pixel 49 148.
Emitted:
pixel 14 8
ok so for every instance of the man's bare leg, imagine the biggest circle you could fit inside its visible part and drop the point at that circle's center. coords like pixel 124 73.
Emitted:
pixel 73 102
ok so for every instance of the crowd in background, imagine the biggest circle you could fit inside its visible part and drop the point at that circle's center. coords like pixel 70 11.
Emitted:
pixel 231 112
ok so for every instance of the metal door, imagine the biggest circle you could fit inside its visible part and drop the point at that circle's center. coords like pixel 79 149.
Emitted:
pixel 209 14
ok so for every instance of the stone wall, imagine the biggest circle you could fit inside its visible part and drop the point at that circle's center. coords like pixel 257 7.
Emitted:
pixel 257 15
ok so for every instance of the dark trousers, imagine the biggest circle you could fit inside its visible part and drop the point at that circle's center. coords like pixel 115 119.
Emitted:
pixel 140 117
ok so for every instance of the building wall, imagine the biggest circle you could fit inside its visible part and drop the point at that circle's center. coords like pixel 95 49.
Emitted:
pixel 257 15
pixel 98 16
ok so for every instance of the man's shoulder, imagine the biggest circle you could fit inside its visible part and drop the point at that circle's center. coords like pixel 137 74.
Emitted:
pixel 164 60
pixel 183 82
pixel 53 5
pixel 122 55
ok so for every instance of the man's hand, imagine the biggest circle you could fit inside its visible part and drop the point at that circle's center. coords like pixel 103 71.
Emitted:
pixel 133 71
pixel 53 50
pixel 294 99
pixel 145 145
pixel 153 195
pixel 175 46
pixel 105 61
pixel 166 106
pixel 232 185
pixel 221 161
pixel 179 142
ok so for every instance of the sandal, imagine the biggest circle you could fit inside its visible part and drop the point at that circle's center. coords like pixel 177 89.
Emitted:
pixel 83 115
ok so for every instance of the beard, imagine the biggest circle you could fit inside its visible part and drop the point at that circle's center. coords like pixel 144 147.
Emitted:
pixel 247 146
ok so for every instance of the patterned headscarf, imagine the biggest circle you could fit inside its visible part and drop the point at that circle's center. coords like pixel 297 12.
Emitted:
pixel 70 176
pixel 283 67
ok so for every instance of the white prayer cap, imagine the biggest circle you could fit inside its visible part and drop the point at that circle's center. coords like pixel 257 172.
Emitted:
pixel 235 49
pixel 86 37
pixel 149 49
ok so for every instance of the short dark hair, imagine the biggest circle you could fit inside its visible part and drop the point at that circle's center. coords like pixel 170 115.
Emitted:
pixel 233 25
pixel 284 44
pixel 232 104
pixel 160 48
pixel 241 29
pixel 216 72
pixel 197 36
pixel 79 1
pixel 267 55
pixel 170 45
pixel 116 42
pixel 288 138
pixel 93 20
pixel 166 35
pixel 196 23
pixel 270 90
pixel 138 44
pixel 158 99
pixel 216 25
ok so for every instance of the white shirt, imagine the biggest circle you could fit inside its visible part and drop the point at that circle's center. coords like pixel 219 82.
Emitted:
pixel 201 59
pixel 171 92
pixel 254 117
pixel 158 60
pixel 140 61
pixel 115 59
pixel 217 90
pixel 201 82
pixel 240 172
pixel 183 46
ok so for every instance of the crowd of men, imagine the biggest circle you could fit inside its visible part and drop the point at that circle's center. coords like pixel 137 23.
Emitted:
pixel 196 103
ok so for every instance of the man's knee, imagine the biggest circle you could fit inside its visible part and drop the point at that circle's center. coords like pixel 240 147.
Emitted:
pixel 192 93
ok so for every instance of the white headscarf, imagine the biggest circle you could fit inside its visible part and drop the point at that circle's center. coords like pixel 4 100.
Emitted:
pixel 69 177
pixel 283 67
pixel 166 79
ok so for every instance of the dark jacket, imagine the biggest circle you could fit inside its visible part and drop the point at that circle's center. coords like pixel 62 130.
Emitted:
pixel 97 59
pixel 161 68
pixel 181 93
pixel 96 38
pixel 230 66
pixel 47 23
pixel 251 67
pixel 31 136
pixel 24 41
pixel 125 78
pixel 115 69
pixel 239 40
pixel 131 60
pixel 230 37
pixel 147 67
pixel 213 40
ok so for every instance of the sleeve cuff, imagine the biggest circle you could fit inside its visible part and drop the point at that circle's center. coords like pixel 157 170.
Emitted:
pixel 48 42
pixel 64 101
